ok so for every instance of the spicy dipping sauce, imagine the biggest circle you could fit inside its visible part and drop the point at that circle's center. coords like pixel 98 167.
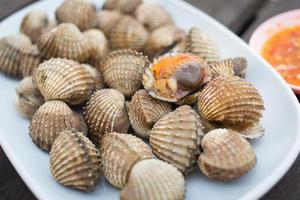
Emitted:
pixel 282 51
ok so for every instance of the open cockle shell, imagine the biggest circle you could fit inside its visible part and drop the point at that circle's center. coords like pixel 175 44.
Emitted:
pixel 119 152
pixel 123 6
pixel 173 76
pixel 82 13
pixel 18 56
pixel 145 111
pixel 226 155
pixel 105 112
pixel 154 179
pixel 128 33
pixel 153 16
pixel 74 161
pixel 50 119
pixel 175 138
pixel 232 101
pixel 28 98
pixel 64 41
pixel 162 39
pixel 63 79
pixel 106 19
pixel 123 70
pixel 201 44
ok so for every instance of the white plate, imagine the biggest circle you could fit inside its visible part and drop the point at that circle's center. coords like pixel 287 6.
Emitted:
pixel 276 151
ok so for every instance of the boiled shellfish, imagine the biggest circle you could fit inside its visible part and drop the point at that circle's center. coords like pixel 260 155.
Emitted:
pixel 123 6
pixel 98 78
pixel 106 19
pixel 74 161
pixel 226 155
pixel 173 76
pixel 119 152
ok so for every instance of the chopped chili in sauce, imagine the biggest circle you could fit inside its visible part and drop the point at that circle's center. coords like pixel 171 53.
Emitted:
pixel 282 51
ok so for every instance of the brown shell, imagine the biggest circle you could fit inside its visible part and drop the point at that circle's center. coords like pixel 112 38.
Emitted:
pixel 28 98
pixel 123 70
pixel 105 112
pixel 49 120
pixel 128 33
pixel 174 75
pixel 201 44
pixel 82 13
pixel 18 57
pixel 123 6
pixel 145 111
pixel 232 101
pixel 154 179
pixel 153 16
pixel 74 161
pixel 63 79
pixel 119 152
pixel 34 24
pixel 97 76
pixel 162 39
pixel 64 41
pixel 239 66
pixel 226 155
pixel 175 138
pixel 190 99
pixel 106 20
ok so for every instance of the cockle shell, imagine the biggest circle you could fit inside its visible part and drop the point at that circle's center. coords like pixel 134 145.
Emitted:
pixel 190 99
pixel 119 152
pixel 175 138
pixel 49 120
pixel 123 6
pixel 64 41
pixel 226 155
pixel 128 33
pixel 81 13
pixel 232 101
pixel 97 76
pixel 28 98
pixel 201 44
pixel 18 56
pixel 106 20
pixel 154 179
pixel 63 79
pixel 145 111
pixel 105 112
pixel 163 39
pixel 239 66
pixel 74 161
pixel 123 70
pixel 173 76
pixel 153 16
pixel 34 24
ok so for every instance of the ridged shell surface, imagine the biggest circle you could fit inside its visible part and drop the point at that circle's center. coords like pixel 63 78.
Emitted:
pixel 18 57
pixel 63 79
pixel 154 179
pixel 175 138
pixel 82 13
pixel 145 111
pixel 123 70
pixel 106 19
pixel 105 112
pixel 49 120
pixel 232 101
pixel 123 6
pixel 226 155
pixel 173 76
pixel 28 98
pixel 153 16
pixel 119 152
pixel 201 44
pixel 64 41
pixel 162 39
pixel 97 76
pixel 74 161
pixel 128 33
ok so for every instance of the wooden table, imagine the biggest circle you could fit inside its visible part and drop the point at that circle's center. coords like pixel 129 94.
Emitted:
pixel 242 17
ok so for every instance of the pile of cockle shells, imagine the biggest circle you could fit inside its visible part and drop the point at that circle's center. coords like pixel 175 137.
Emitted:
pixel 135 75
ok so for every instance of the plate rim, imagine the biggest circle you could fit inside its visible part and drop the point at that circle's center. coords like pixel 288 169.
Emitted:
pixel 259 189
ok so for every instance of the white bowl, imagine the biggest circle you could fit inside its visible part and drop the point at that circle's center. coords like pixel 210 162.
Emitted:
pixel 276 151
